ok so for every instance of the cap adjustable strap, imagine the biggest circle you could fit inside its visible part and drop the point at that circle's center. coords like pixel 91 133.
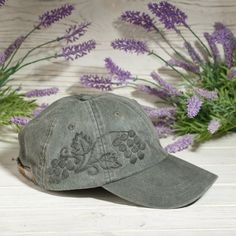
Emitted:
pixel 25 170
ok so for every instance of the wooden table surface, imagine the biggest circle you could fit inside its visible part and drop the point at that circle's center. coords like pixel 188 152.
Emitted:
pixel 26 210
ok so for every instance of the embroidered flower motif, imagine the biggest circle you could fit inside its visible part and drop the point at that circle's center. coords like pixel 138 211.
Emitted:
pixel 81 144
pixel 78 157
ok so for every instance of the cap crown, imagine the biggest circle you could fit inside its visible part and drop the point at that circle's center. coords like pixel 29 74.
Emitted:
pixel 86 141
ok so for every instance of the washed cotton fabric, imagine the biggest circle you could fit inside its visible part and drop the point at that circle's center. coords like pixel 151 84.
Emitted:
pixel 107 140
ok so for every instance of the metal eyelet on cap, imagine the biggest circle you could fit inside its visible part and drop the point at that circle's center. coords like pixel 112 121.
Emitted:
pixel 71 126
pixel 117 113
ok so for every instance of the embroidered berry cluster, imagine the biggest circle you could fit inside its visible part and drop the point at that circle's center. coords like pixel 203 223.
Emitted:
pixel 60 168
pixel 79 156
pixel 70 160
pixel 131 145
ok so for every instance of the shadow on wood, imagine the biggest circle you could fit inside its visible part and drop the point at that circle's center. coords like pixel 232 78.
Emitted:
pixel 9 163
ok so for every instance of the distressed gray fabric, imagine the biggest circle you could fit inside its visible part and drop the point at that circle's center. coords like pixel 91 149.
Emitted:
pixel 106 140
pixel 173 183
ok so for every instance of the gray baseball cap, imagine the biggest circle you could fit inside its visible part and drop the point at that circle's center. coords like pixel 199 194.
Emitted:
pixel 106 140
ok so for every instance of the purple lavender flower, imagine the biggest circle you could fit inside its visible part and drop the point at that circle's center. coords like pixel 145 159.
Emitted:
pixel 232 73
pixel 78 50
pixel 39 109
pixel 94 81
pixel 2 58
pixel 212 45
pixel 75 32
pixel 52 16
pixel 182 143
pixel 138 18
pixel 130 45
pixel 168 14
pixel 116 71
pixel 206 94
pixel 160 112
pixel 153 91
pixel 192 53
pixel 222 33
pixel 166 86
pixel 162 130
pixel 185 65
pixel 213 126
pixel 19 120
pixel 194 106
pixel 224 36
pixel 41 92
pixel 2 2
pixel 228 52
pixel 11 48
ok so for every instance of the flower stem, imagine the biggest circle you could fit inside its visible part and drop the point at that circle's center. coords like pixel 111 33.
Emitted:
pixel 169 44
pixel 31 31
pixel 129 84
pixel 177 71
pixel 135 79
pixel 181 35
pixel 201 42
pixel 3 81
pixel 39 46
pixel 25 37
pixel 29 63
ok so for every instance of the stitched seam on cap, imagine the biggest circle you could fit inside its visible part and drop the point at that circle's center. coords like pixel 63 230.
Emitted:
pixel 128 104
pixel 21 137
pixel 44 149
pixel 141 117
pixel 108 174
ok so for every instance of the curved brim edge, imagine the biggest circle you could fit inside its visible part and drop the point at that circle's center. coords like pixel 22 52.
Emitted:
pixel 172 183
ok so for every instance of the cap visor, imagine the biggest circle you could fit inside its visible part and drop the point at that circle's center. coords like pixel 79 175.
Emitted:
pixel 172 183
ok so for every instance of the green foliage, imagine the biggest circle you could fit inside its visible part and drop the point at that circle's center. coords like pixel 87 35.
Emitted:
pixel 12 103
pixel 223 108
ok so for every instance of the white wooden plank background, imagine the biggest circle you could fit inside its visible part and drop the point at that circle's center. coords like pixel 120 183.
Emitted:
pixel 26 210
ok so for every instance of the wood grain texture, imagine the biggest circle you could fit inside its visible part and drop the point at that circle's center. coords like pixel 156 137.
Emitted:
pixel 26 210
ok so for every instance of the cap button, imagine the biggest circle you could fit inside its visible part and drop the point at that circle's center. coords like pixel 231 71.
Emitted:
pixel 84 97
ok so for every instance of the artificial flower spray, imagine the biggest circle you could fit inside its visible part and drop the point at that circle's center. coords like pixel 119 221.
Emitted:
pixel 203 105
pixel 18 108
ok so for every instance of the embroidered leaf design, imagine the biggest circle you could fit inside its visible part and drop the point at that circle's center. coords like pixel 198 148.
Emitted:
pixel 81 144
pixel 109 160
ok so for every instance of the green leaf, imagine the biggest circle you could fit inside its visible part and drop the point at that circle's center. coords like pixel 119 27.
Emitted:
pixel 12 103
pixel 109 161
